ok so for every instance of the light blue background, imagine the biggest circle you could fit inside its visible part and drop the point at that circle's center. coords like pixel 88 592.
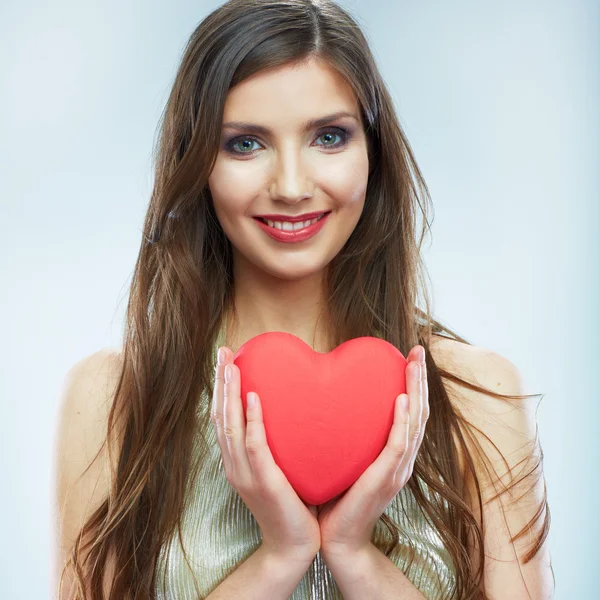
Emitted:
pixel 500 103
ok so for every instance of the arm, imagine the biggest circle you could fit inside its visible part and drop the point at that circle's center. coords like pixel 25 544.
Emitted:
pixel 372 575
pixel 508 427
pixel 511 428
pixel 262 575
pixel 81 464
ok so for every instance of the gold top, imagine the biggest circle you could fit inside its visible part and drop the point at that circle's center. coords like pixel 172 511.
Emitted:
pixel 219 532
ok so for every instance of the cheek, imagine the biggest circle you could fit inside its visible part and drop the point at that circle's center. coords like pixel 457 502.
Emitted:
pixel 231 176
pixel 232 188
pixel 347 184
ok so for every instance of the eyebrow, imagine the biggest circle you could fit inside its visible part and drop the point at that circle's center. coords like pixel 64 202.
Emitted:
pixel 260 129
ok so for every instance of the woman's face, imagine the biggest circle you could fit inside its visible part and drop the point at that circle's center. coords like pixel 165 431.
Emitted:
pixel 290 168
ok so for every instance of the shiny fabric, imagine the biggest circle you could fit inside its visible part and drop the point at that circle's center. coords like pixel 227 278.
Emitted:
pixel 219 532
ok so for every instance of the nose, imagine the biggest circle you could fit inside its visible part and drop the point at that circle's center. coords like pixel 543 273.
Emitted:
pixel 291 179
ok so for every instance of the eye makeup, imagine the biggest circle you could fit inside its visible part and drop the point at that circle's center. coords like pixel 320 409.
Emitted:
pixel 341 132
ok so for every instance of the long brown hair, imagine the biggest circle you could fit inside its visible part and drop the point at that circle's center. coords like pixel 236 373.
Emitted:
pixel 182 288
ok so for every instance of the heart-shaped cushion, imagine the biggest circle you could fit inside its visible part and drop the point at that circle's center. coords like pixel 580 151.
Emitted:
pixel 327 416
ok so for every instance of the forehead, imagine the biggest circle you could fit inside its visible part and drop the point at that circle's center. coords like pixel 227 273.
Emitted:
pixel 290 94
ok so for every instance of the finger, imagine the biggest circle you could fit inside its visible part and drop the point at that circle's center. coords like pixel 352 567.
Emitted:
pixel 256 438
pixel 424 415
pixel 398 444
pixel 415 387
pixel 383 472
pixel 234 426
pixel 413 355
pixel 405 431
pixel 258 452
pixel 216 411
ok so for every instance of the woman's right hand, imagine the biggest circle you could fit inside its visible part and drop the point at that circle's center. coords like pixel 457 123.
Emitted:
pixel 289 526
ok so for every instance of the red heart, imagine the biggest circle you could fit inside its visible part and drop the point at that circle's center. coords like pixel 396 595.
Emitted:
pixel 327 416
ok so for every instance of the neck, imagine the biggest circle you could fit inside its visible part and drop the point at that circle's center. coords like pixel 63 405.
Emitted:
pixel 263 303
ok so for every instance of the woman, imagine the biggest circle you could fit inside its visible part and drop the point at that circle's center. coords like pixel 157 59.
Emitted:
pixel 278 111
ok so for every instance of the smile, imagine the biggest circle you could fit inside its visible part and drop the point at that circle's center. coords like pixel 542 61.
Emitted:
pixel 287 226
pixel 284 231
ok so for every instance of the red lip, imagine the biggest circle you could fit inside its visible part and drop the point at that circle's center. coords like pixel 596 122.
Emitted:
pixel 292 219
pixel 293 236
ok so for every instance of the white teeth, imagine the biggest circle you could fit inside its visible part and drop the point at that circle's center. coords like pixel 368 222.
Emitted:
pixel 287 226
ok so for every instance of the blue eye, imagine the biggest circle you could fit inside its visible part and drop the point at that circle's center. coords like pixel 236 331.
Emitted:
pixel 248 140
pixel 330 132
pixel 342 133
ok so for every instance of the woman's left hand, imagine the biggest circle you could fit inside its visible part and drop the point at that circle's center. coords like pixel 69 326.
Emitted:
pixel 347 522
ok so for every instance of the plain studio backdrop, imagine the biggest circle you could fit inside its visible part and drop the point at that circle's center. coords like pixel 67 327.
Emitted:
pixel 500 103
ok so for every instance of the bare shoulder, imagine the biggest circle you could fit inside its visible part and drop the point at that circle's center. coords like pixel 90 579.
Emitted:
pixel 511 485
pixel 477 365
pixel 506 421
pixel 85 401
pixel 80 466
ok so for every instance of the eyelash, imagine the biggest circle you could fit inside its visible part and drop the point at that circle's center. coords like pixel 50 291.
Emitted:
pixel 343 133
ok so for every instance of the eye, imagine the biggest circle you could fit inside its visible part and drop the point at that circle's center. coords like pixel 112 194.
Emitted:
pixel 331 133
pixel 327 134
pixel 246 140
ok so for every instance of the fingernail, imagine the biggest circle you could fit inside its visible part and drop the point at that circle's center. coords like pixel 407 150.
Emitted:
pixel 404 401
pixel 221 356
pixel 228 371
pixel 422 354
